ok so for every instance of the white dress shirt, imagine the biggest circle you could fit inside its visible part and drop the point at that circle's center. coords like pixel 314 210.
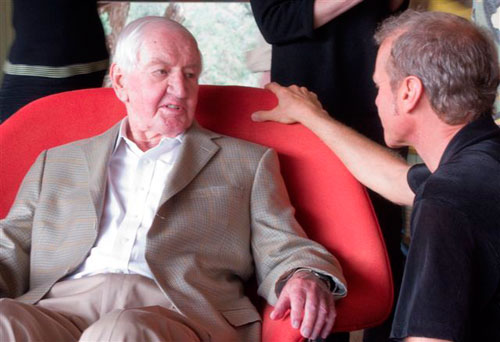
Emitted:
pixel 135 183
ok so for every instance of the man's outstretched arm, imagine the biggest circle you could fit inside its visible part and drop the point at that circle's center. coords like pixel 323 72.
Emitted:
pixel 326 10
pixel 372 164
pixel 424 339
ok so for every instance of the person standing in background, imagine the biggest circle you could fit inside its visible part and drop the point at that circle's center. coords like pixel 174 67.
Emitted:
pixel 59 45
pixel 328 47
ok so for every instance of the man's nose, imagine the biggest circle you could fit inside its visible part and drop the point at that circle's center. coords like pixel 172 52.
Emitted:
pixel 177 85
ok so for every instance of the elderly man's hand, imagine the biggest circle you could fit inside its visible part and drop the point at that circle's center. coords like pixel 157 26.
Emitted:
pixel 311 305
pixel 295 104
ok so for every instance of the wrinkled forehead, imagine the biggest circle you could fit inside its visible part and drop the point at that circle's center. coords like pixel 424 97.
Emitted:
pixel 172 45
pixel 169 30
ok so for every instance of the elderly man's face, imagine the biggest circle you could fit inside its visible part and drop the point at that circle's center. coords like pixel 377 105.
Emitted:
pixel 161 92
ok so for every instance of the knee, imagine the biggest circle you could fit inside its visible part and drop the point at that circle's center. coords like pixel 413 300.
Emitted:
pixel 11 313
pixel 25 322
pixel 126 319
pixel 9 308
pixel 118 325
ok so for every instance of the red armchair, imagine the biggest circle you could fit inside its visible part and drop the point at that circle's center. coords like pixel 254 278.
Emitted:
pixel 332 206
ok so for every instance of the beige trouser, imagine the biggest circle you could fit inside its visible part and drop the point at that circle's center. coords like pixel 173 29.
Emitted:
pixel 100 308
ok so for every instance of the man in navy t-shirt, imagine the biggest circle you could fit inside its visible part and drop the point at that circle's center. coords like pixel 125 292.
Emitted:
pixel 437 76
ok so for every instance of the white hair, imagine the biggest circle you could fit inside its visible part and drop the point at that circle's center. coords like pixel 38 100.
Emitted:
pixel 130 39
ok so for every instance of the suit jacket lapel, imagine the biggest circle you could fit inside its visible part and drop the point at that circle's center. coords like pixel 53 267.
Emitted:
pixel 196 151
pixel 97 152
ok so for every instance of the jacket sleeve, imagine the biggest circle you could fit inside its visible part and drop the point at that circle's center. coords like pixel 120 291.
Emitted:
pixel 279 244
pixel 282 21
pixel 15 234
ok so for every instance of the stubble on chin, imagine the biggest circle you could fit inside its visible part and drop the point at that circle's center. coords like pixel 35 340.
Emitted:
pixel 172 126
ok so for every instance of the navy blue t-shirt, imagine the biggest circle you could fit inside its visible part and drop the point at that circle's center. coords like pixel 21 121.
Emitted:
pixel 451 284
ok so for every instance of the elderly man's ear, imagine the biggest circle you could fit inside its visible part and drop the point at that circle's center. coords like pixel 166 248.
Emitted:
pixel 117 80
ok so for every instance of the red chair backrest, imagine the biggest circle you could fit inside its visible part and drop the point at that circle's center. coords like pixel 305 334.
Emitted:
pixel 331 205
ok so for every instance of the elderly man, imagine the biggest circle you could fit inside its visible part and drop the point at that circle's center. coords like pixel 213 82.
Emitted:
pixel 149 231
pixel 437 76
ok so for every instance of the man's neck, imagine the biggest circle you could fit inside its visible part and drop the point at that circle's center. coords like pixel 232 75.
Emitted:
pixel 143 139
pixel 432 140
pixel 146 144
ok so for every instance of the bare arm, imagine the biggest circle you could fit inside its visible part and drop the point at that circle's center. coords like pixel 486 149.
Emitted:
pixel 326 10
pixel 373 165
pixel 424 339
pixel 284 21
pixel 395 4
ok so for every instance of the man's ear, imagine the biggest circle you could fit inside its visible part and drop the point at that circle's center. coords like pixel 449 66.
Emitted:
pixel 411 91
pixel 117 77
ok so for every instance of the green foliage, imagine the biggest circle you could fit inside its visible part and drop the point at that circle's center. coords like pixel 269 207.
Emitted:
pixel 224 31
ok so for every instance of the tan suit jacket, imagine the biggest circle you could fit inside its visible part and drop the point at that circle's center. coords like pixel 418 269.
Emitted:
pixel 224 215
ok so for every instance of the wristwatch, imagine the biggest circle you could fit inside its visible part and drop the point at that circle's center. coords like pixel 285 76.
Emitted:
pixel 325 279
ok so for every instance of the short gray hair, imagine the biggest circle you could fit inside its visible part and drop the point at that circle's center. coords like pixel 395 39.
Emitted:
pixel 130 39
pixel 456 61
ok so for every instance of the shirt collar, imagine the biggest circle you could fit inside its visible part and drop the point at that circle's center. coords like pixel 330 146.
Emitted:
pixel 166 144
pixel 472 133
